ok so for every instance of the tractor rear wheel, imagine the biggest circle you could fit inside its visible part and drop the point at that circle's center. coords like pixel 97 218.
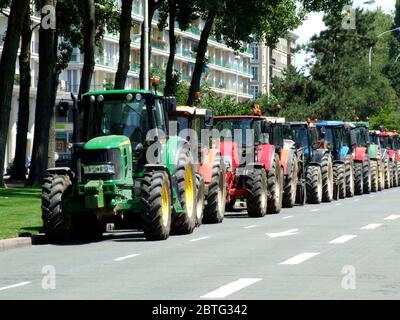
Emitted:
pixel 339 191
pixel 395 180
pixel 157 205
pixel 275 187
pixel 314 185
pixel 374 176
pixel 200 199
pixel 398 172
pixel 57 224
pixel 214 211
pixel 327 178
pixel 185 223
pixel 366 178
pixel 381 172
pixel 386 170
pixel 290 188
pixel 257 198
pixel 358 176
pixel 349 167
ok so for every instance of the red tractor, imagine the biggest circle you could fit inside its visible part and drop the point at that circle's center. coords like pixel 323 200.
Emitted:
pixel 191 123
pixel 388 144
pixel 250 147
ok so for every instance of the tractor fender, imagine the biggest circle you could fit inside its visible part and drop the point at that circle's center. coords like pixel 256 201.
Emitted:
pixel 287 160
pixel 206 166
pixel 158 167
pixel 360 154
pixel 344 152
pixel 62 171
pixel 252 166
pixel 373 151
pixel 266 155
pixel 174 147
pixel 391 154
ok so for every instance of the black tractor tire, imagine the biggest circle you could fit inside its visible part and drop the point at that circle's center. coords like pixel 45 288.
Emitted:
pixel 257 193
pixel 201 198
pixel 339 190
pixel 349 168
pixel 327 178
pixel 398 172
pixel 290 186
pixel 214 211
pixel 275 187
pixel 366 178
pixel 156 216
pixel 358 178
pixel 386 170
pixel 395 179
pixel 314 185
pixel 57 225
pixel 374 176
pixel 185 223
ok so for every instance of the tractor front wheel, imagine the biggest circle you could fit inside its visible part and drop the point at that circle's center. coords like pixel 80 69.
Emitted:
pixel 339 178
pixel 257 188
pixel 200 199
pixel 314 185
pixel 290 188
pixel 374 176
pixel 275 187
pixel 327 178
pixel 359 181
pixel 157 204
pixel 57 224
pixel 214 211
pixel 366 178
pixel 349 167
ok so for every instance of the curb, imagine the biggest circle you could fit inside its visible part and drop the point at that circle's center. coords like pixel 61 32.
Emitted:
pixel 21 242
pixel 14 243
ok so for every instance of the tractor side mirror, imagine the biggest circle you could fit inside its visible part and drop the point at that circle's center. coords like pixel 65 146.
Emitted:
pixel 170 103
pixel 209 119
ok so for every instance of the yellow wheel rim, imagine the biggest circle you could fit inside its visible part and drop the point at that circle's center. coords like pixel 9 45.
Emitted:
pixel 189 191
pixel 165 205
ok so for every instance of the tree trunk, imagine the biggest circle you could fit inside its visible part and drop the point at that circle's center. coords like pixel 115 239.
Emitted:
pixel 47 61
pixel 200 58
pixel 89 45
pixel 19 168
pixel 152 7
pixel 168 90
pixel 124 44
pixel 7 73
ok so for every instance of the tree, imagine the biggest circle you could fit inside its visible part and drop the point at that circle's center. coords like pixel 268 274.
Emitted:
pixel 124 44
pixel 19 166
pixel 45 91
pixel 7 71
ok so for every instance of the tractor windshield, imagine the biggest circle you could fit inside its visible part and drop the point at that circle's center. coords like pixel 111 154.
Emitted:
pixel 299 134
pixel 387 142
pixel 332 135
pixel 240 129
pixel 119 118
pixel 362 136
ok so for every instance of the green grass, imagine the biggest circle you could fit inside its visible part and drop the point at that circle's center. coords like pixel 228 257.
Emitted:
pixel 20 212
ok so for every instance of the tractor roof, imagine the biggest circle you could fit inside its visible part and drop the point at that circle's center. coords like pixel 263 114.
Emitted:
pixel 111 92
pixel 360 124
pixel 238 117
pixel 329 123
pixel 192 110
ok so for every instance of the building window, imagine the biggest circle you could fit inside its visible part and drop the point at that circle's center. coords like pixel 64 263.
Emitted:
pixel 254 51
pixel 254 72
pixel 254 91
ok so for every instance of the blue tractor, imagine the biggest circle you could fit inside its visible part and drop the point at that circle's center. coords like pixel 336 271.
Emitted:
pixel 340 139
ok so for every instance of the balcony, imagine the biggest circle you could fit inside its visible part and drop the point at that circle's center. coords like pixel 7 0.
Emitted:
pixel 158 44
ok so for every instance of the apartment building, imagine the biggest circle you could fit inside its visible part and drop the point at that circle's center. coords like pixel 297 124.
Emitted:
pixel 267 63
pixel 226 72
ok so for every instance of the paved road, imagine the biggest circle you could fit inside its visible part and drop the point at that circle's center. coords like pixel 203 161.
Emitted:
pixel 348 249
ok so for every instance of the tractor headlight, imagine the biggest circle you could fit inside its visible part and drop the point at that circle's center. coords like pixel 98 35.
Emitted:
pixel 99 168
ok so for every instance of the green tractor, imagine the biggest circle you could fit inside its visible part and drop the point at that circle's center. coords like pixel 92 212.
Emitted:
pixel 128 173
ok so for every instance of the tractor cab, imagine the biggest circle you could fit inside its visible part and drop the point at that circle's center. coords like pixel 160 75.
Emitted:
pixel 362 133
pixel 305 137
pixel 338 137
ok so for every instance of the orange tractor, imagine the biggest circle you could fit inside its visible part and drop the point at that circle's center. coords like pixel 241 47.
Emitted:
pixel 194 124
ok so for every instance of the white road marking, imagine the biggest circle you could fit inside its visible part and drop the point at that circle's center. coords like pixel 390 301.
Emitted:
pixel 127 257
pixel 393 217
pixel 230 288
pixel 16 285
pixel 250 227
pixel 372 196
pixel 338 204
pixel 300 258
pixel 343 239
pixel 371 226
pixel 288 217
pixel 315 210
pixel 199 239
pixel 287 233
pixel 356 200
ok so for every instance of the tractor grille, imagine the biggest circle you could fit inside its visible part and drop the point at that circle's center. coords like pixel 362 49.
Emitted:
pixel 102 156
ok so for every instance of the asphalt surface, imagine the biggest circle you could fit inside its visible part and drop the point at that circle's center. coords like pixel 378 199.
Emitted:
pixel 348 249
